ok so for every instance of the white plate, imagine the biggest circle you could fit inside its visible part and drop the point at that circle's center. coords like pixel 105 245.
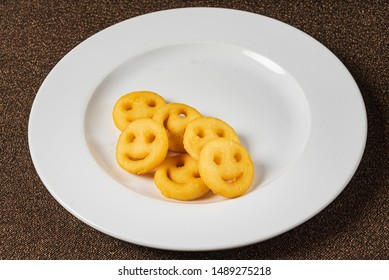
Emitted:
pixel 293 103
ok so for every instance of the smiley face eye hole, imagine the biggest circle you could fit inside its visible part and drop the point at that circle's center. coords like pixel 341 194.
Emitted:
pixel 200 133
pixel 238 157
pixel 180 163
pixel 196 175
pixel 127 106
pixel 131 137
pixel 182 114
pixel 150 138
pixel 151 103
pixel 220 133
pixel 217 159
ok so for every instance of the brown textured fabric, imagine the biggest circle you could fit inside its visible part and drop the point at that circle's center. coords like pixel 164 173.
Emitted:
pixel 35 35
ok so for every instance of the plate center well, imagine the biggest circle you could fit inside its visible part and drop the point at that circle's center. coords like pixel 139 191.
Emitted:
pixel 256 96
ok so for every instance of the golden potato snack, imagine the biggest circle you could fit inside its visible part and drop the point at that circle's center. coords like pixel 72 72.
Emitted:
pixel 211 159
pixel 226 168
pixel 175 117
pixel 136 105
pixel 201 130
pixel 142 146
pixel 178 178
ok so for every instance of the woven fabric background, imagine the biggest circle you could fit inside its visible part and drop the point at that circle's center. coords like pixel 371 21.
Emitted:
pixel 35 35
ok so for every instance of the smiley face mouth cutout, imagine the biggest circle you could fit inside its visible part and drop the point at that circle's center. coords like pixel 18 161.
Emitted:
pixel 171 178
pixel 133 158
pixel 232 179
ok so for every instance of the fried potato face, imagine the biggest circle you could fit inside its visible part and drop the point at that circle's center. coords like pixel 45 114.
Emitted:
pixel 226 168
pixel 136 105
pixel 202 130
pixel 178 178
pixel 175 117
pixel 142 146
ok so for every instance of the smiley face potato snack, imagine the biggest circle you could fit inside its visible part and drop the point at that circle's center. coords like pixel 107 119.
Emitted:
pixel 136 105
pixel 226 168
pixel 202 130
pixel 142 146
pixel 178 177
pixel 175 117
pixel 210 157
